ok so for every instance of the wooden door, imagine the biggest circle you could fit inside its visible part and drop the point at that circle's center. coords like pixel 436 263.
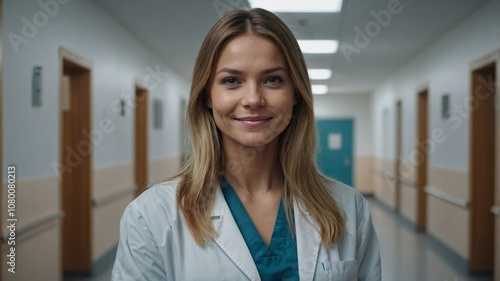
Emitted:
pixel 141 139
pixel 398 155
pixel 76 160
pixel 482 168
pixel 422 163
pixel 1 123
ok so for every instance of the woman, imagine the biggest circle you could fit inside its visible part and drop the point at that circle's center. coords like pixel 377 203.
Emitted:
pixel 250 203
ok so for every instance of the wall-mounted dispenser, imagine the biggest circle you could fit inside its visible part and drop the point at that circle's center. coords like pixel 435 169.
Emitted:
pixel 36 86
pixel 123 105
pixel 445 106
pixel 157 114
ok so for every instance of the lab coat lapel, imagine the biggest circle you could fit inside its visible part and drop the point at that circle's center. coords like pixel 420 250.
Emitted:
pixel 229 238
pixel 308 241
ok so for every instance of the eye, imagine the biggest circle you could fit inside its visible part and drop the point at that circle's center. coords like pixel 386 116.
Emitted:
pixel 230 81
pixel 274 80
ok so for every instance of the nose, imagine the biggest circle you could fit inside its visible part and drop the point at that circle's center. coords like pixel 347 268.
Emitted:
pixel 252 97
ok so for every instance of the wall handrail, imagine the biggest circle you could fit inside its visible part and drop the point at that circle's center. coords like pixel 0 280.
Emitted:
pixel 384 173
pixel 392 176
pixel 495 210
pixel 450 198
pixel 34 225
pixel 410 183
pixel 112 197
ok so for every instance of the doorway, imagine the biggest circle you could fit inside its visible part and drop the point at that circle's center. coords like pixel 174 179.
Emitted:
pixel 76 161
pixel 335 157
pixel 1 108
pixel 482 168
pixel 141 139
pixel 422 160
pixel 1 122
pixel 398 155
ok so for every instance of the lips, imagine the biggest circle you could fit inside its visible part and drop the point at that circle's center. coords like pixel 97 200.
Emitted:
pixel 253 121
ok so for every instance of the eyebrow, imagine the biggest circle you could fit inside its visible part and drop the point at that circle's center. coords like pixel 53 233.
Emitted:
pixel 266 71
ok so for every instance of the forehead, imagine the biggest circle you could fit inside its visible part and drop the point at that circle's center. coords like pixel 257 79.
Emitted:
pixel 249 50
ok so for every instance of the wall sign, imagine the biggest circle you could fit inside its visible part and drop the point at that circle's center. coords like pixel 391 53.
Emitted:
pixel 334 141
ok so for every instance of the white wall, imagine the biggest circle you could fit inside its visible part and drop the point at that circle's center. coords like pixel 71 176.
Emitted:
pixel 444 66
pixel 357 107
pixel 31 135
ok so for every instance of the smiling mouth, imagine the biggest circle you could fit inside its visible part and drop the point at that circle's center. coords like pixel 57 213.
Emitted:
pixel 253 121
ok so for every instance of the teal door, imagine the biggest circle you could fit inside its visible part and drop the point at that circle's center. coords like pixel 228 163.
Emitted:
pixel 335 155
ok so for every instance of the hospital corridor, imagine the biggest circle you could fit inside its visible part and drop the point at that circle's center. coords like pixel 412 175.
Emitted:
pixel 94 96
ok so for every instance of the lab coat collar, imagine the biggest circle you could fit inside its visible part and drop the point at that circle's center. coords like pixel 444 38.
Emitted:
pixel 231 241
pixel 229 238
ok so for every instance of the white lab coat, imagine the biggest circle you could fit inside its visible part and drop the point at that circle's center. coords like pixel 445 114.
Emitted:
pixel 155 243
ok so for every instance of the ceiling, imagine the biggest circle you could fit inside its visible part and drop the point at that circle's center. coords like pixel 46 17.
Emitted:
pixel 175 30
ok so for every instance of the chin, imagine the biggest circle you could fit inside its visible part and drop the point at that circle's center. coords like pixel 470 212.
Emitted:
pixel 252 143
pixel 255 142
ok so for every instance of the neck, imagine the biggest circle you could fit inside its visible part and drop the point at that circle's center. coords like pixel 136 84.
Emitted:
pixel 253 170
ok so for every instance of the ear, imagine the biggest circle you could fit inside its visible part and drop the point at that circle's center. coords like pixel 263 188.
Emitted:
pixel 208 100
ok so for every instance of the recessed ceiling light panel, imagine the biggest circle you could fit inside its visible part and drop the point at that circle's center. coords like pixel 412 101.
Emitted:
pixel 319 74
pixel 319 89
pixel 298 6
pixel 318 46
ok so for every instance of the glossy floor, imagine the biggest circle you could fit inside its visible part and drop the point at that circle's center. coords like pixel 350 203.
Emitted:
pixel 405 254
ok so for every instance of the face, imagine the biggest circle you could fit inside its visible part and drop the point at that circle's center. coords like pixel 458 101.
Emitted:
pixel 251 93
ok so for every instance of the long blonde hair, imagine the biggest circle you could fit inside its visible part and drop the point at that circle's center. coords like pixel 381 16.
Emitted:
pixel 202 171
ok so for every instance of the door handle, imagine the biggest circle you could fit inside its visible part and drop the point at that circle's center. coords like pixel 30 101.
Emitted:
pixel 347 161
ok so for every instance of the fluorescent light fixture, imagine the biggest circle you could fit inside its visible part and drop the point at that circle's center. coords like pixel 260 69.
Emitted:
pixel 319 89
pixel 318 46
pixel 319 74
pixel 298 6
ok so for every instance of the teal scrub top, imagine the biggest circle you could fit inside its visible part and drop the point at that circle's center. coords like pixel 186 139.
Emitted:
pixel 278 261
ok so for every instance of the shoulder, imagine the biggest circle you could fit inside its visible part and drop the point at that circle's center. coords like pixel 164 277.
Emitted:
pixel 351 200
pixel 161 191
pixel 157 202
pixel 344 192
